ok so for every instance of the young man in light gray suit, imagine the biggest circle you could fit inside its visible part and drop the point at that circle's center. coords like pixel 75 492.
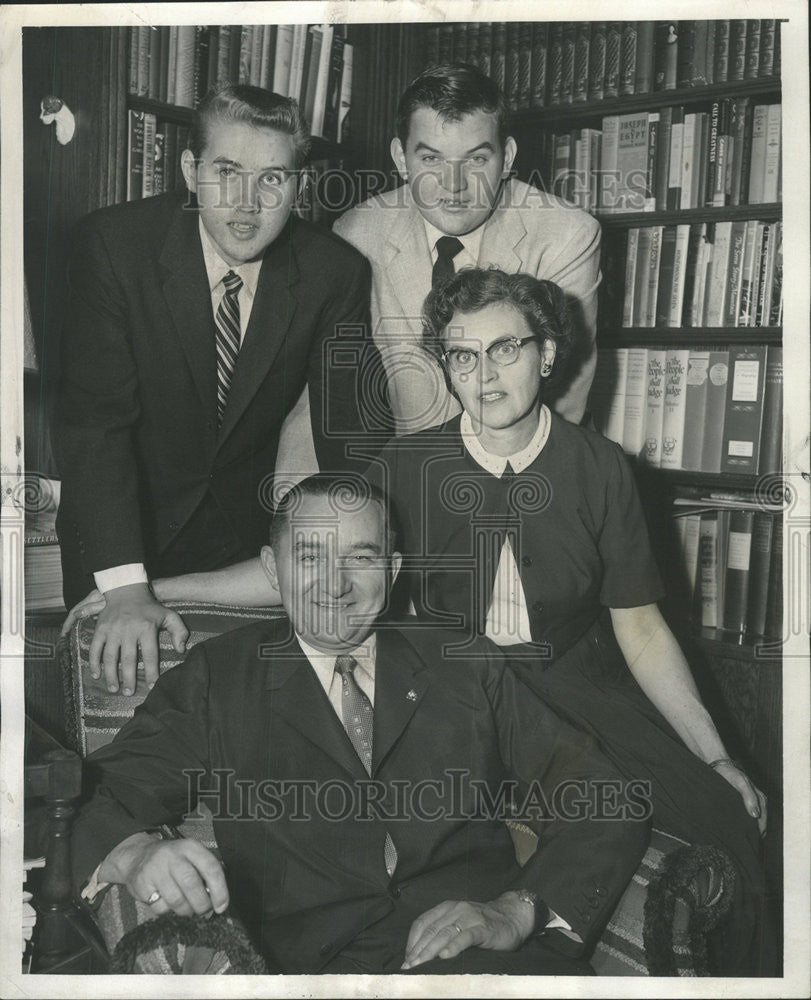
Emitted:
pixel 454 153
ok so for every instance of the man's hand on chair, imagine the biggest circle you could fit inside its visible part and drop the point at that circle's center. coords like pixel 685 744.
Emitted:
pixel 130 620
pixel 171 876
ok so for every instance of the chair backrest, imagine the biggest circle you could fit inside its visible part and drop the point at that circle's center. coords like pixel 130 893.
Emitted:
pixel 94 715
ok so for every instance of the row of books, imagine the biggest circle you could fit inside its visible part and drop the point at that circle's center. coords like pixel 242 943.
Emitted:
pixel 724 274
pixel 667 160
pixel 311 63
pixel 731 563
pixel 42 561
pixel 153 154
pixel 695 409
pixel 540 64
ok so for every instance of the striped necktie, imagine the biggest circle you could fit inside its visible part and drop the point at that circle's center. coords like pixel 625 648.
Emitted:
pixel 358 719
pixel 227 322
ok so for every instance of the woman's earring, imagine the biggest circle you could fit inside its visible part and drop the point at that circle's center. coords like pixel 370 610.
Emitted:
pixel 546 369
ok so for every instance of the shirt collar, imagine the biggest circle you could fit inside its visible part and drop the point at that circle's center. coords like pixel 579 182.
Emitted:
pixel 496 464
pixel 324 663
pixel 216 267
pixel 470 241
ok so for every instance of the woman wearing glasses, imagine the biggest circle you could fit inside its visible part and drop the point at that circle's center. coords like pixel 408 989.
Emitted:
pixel 523 527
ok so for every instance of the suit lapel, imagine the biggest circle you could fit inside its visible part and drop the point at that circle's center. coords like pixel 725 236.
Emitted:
pixel 408 259
pixel 298 698
pixel 400 683
pixel 503 236
pixel 271 315
pixel 188 298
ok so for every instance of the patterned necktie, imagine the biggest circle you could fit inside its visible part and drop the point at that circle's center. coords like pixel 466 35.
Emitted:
pixel 227 321
pixel 358 719
pixel 447 247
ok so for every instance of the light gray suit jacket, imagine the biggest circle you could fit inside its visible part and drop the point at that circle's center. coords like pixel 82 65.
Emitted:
pixel 529 231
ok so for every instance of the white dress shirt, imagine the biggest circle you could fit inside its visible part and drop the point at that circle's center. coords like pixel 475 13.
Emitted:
pixel 507 619
pixel 324 666
pixel 471 242
pixel 216 270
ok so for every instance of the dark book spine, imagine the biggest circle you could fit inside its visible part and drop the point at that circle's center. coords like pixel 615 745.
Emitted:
pixel 445 44
pixel 512 75
pixel 201 45
pixel 473 43
pixel 666 56
pixel 582 48
pixel 667 257
pixel 663 157
pixel 596 83
pixel 751 69
pixel 613 45
pixel 737 49
pixel 643 74
pixel 739 552
pixel 762 534
pixel 771 435
pixel 627 79
pixel 686 53
pixel 567 63
pixel 135 156
pixel 460 42
pixel 774 602
pixel 766 62
pixel 163 73
pixel 171 164
pixel 555 62
pixel 744 410
pixel 159 179
pixel 524 64
pixel 499 66
pixel 431 45
pixel 132 63
pixel 653 152
pixel 721 63
pixel 776 310
pixel 540 42
pixel 486 48
pixel 712 151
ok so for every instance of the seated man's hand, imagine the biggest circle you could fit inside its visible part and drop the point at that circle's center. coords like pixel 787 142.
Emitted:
pixel 186 876
pixel 131 619
pixel 90 605
pixel 450 928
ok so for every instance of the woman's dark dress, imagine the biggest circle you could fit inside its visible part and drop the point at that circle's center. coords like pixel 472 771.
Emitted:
pixel 580 542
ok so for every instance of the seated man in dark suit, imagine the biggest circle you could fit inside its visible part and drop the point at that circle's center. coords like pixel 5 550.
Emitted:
pixel 195 322
pixel 359 774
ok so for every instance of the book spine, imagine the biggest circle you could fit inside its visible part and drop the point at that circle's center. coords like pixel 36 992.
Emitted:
pixel 320 102
pixel 687 160
pixel 652 453
pixel 596 81
pixel 744 411
pixel 171 165
pixel 538 64
pixel 776 305
pixel 609 180
pixel 333 96
pixel 184 69
pixel 695 407
pixel 431 45
pixel 654 267
pixel 675 304
pixel 499 64
pixel 692 535
pixel 524 64
pixel 665 142
pixel 754 293
pixel 224 55
pixel 694 249
pixel 213 55
pixel 636 394
pixel 148 183
pixel 159 64
pixel 721 64
pixel 283 58
pixel 650 169
pixel 641 283
pixel 132 63
pixel 676 158
pixel 686 54
pixel 486 47
pixel 644 70
pixel 555 62
pixel 582 47
pixel 143 61
pixel 674 408
pixel 460 41
pixel 615 426
pixel 765 274
pixel 745 301
pixel 772 432
pixel 135 156
pixel 774 601
pixel 737 49
pixel 613 45
pixel 757 165
pixel 667 259
pixel 200 72
pixel 735 276
pixel 159 183
pixel 346 93
pixel 700 159
pixel 771 163
pixel 767 37
pixel 473 42
pixel 632 249
pixel 738 560
pixel 751 69
pixel 257 42
pixel 246 33
pixel 567 63
pixel 666 55
pixel 712 149
pixel 762 532
pixel 708 564
pixel 715 310
pixel 268 56
pixel 512 76
pixel 628 45
pixel 712 444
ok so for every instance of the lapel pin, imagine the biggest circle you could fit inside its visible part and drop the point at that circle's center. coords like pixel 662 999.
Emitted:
pixel 412 695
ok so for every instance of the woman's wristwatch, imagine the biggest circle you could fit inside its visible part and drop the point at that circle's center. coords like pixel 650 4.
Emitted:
pixel 541 911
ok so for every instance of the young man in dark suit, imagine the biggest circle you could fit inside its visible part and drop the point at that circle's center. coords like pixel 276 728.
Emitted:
pixel 194 324
pixel 359 775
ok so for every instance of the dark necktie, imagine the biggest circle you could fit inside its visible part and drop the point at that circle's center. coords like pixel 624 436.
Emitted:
pixel 227 321
pixel 447 247
pixel 358 719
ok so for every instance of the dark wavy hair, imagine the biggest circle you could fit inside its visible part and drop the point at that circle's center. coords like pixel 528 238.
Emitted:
pixel 452 90
pixel 254 106
pixel 540 302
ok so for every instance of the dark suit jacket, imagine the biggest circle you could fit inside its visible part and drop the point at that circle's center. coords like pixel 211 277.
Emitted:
pixel 136 436
pixel 249 704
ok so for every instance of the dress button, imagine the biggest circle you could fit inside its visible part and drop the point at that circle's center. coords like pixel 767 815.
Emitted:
pixel 600 890
pixel 395 891
pixel 537 606
pixel 325 949
pixel 526 560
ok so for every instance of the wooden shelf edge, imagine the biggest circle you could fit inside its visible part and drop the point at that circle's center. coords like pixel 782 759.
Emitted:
pixel 766 211
pixel 576 112
pixel 720 642
pixel 692 335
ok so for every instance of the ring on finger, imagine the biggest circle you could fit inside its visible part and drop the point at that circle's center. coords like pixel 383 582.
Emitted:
pixel 153 898
pixel 458 928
